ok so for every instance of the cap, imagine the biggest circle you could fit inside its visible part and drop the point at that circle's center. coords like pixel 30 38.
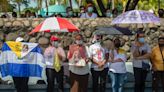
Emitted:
pixel 54 38
pixel 19 39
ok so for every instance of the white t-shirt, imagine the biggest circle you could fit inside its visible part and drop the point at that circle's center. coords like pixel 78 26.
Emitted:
pixel 85 15
pixel 98 53
pixel 118 67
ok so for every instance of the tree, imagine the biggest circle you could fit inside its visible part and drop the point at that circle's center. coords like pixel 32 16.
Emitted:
pixel 127 5
pixel 5 6
pixel 102 8
pixel 19 3
pixel 39 4
pixel 131 4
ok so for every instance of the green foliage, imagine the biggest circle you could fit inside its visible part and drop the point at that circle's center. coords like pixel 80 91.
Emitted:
pixel 150 4
pixel 31 9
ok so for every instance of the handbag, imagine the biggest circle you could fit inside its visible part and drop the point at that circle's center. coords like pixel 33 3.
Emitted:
pixel 145 66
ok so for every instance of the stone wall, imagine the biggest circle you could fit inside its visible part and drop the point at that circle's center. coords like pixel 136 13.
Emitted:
pixel 10 29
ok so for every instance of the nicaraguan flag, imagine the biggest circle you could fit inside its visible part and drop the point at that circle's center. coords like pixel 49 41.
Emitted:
pixel 20 59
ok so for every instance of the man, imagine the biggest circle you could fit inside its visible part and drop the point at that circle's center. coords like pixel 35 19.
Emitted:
pixel 70 13
pixel 90 12
pixel 141 52
pixel 157 59
pixel 54 55
pixel 99 68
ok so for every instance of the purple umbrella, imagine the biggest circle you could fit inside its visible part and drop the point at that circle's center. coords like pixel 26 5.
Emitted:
pixel 136 16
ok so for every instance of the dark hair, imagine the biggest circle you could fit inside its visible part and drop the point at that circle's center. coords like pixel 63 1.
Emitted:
pixel 160 13
pixel 3 16
pixel 139 32
pixel 33 14
pixel 116 39
pixel 82 7
pixel 14 14
pixel 27 11
pixel 68 8
pixel 79 35
pixel 115 11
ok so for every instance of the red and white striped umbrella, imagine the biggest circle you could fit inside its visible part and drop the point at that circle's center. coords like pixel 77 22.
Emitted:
pixel 55 24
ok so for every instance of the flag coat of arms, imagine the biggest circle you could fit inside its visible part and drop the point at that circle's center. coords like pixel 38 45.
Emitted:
pixel 20 59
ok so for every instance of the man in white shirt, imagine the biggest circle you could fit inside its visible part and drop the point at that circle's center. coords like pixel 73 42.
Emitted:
pixel 99 68
pixel 90 12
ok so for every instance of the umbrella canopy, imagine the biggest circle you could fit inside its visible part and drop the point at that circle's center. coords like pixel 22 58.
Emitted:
pixel 55 24
pixel 136 16
pixel 53 9
pixel 113 31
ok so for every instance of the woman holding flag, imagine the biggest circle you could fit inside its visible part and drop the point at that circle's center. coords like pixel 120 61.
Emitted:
pixel 54 55
pixel 21 83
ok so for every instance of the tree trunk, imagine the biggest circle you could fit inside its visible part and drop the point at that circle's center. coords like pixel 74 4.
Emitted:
pixel 39 4
pixel 70 1
pixel 46 7
pixel 102 8
pixel 19 8
pixel 134 4
pixel 159 4
pixel 127 5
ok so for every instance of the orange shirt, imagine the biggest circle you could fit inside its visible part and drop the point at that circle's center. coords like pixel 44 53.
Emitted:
pixel 156 59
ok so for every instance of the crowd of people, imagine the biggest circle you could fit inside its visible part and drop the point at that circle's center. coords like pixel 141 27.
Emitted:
pixel 85 12
pixel 104 63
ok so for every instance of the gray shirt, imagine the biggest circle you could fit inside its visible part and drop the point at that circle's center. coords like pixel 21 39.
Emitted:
pixel 146 48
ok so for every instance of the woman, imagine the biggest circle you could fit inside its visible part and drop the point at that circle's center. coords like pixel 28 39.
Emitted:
pixel 117 68
pixel 78 65
pixel 54 55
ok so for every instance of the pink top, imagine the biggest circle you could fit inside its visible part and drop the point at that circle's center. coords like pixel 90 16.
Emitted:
pixel 49 55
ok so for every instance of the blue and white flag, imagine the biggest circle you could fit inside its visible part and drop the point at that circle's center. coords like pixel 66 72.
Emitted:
pixel 20 59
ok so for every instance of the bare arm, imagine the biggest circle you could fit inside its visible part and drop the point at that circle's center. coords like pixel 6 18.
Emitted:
pixel 135 52
pixel 145 56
